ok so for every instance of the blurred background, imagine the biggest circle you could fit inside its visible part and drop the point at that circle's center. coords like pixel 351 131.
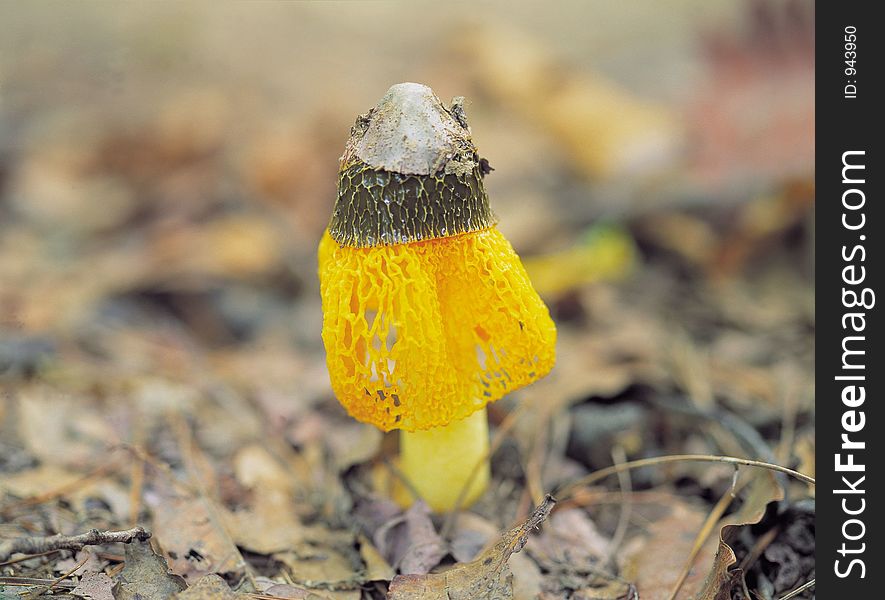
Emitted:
pixel 167 170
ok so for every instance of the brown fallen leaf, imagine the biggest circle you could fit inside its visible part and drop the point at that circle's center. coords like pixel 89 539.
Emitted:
pixel 94 585
pixel 270 523
pixel 571 536
pixel 196 544
pixel 327 562
pixel 209 587
pixel 653 563
pixel 470 535
pixel 527 577
pixel 377 569
pixel 146 575
pixel 764 489
pixel 284 590
pixel 92 564
pixel 425 547
pixel 486 578
pixel 409 541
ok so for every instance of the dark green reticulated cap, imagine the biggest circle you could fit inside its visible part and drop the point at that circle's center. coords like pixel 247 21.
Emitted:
pixel 409 172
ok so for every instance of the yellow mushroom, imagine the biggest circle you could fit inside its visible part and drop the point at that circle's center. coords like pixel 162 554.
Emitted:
pixel 428 313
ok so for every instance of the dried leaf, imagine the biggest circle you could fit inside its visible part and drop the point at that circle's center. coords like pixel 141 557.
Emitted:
pixel 409 542
pixel 425 547
pixel 146 575
pixel 209 587
pixel 571 537
pixel 654 563
pixel 377 569
pixel 94 585
pixel 93 562
pixel 285 590
pixel 764 489
pixel 486 578
pixel 271 523
pixel 255 467
pixel 470 535
pixel 187 530
pixel 328 561
pixel 527 577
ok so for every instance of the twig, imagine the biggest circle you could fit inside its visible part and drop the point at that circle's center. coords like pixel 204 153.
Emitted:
pixel 701 538
pixel 26 557
pixel 758 548
pixel 40 591
pixel 536 457
pixel 30 581
pixel 620 457
pixel 401 477
pixel 659 460
pixel 805 586
pixel 38 545
pixel 791 397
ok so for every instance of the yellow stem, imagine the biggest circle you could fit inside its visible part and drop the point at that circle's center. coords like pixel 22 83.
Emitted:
pixel 439 462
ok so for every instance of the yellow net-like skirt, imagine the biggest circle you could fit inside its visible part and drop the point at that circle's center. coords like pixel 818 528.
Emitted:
pixel 422 334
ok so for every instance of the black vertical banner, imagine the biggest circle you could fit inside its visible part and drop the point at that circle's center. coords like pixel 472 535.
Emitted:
pixel 850 430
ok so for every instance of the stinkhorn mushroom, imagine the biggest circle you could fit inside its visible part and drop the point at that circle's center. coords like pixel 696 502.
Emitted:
pixel 428 314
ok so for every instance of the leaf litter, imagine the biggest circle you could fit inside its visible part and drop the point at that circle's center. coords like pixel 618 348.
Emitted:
pixel 160 360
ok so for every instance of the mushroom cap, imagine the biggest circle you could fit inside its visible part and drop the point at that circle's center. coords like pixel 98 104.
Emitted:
pixel 410 172
pixel 411 132
pixel 428 313
pixel 419 335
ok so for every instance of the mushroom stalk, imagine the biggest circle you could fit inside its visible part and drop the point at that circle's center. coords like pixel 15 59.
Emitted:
pixel 440 462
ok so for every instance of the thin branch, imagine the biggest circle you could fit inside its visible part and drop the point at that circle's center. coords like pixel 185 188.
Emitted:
pixel 626 504
pixel 805 586
pixel 659 460
pixel 26 557
pixel 40 591
pixel 40 544
pixel 701 538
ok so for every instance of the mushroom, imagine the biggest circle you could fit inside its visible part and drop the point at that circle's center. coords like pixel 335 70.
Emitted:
pixel 428 314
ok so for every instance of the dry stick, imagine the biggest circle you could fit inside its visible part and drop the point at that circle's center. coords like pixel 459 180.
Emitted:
pixel 39 592
pixel 758 548
pixel 29 581
pixel 701 538
pixel 26 557
pixel 498 439
pixel 788 420
pixel 402 478
pixel 37 545
pixel 538 454
pixel 620 457
pixel 659 460
pixel 583 498
pixel 115 570
pixel 805 586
